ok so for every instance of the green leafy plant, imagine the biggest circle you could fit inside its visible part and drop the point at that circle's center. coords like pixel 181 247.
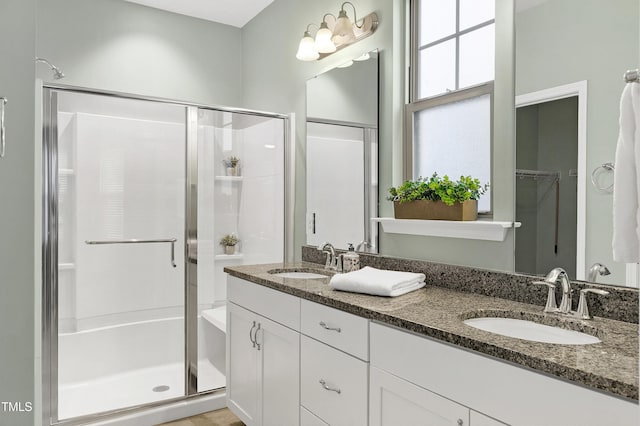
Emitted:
pixel 231 161
pixel 438 188
pixel 229 240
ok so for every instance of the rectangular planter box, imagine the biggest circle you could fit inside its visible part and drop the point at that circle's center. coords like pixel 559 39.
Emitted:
pixel 436 210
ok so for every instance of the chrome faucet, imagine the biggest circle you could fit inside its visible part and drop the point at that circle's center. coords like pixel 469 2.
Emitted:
pixel 551 281
pixel 333 262
pixel 597 269
pixel 364 243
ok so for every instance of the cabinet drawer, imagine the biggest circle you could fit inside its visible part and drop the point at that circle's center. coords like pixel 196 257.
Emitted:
pixel 275 305
pixel 309 419
pixel 334 385
pixel 336 328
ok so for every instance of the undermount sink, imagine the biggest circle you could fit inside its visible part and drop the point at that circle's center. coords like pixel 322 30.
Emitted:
pixel 297 274
pixel 533 331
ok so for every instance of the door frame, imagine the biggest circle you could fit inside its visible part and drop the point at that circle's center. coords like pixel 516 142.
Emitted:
pixel 578 89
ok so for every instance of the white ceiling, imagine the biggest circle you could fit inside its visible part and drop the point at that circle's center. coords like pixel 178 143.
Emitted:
pixel 230 12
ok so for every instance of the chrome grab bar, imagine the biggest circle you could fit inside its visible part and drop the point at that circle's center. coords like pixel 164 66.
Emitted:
pixel 136 241
pixel 3 102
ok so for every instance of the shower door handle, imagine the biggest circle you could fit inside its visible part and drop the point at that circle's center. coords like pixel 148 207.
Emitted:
pixel 3 141
pixel 136 241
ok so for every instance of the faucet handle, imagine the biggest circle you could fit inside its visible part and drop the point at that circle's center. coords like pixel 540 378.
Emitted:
pixel 327 263
pixel 551 305
pixel 583 308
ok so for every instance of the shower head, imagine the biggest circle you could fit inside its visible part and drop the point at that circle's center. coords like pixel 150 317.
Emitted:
pixel 597 269
pixel 57 74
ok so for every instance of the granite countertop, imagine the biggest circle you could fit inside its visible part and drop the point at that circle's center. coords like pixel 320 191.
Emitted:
pixel 436 312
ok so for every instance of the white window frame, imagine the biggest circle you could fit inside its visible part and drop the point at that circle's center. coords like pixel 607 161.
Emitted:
pixel 415 105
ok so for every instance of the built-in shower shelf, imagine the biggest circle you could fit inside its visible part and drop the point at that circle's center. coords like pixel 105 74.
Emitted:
pixel 66 266
pixel 229 178
pixel 487 230
pixel 229 256
pixel 217 317
pixel 66 172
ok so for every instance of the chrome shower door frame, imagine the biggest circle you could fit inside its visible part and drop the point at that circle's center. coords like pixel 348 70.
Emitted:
pixel 50 244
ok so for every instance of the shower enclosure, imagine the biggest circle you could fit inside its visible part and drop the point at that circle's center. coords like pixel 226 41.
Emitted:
pixel 136 198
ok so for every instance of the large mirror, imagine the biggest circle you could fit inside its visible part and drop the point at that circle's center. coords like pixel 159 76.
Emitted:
pixel 342 155
pixel 570 59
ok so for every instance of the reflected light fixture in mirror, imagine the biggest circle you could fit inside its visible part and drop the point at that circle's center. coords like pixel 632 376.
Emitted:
pixel 334 34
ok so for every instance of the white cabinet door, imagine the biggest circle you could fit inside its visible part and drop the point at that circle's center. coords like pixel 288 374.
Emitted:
pixel 279 347
pixel 396 402
pixel 309 419
pixel 243 392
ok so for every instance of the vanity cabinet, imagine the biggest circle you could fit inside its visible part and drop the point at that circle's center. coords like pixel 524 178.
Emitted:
pixel 263 356
pixel 407 370
pixel 294 362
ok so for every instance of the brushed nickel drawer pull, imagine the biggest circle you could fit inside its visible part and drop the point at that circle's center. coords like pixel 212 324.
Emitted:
pixel 251 334
pixel 255 336
pixel 326 327
pixel 324 385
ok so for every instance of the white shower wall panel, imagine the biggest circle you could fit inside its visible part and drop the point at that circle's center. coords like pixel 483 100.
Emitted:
pixel 130 179
pixel 261 215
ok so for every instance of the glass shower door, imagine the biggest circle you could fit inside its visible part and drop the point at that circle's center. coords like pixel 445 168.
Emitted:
pixel 121 167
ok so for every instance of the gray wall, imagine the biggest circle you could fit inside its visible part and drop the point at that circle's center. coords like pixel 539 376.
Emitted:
pixel 17 230
pixel 121 46
pixel 561 42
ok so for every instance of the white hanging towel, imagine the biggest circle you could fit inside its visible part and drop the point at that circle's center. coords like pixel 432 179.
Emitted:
pixel 626 186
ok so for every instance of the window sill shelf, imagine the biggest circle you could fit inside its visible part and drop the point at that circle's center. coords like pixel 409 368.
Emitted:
pixel 473 230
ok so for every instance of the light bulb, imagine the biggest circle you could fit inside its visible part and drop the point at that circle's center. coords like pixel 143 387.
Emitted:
pixel 323 40
pixel 343 31
pixel 306 49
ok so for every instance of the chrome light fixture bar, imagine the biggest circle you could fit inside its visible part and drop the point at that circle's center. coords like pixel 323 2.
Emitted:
pixel 335 34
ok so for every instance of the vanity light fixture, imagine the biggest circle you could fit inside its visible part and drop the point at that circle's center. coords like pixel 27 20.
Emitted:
pixel 335 34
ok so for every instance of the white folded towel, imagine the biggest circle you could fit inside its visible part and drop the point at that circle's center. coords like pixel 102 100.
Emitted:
pixel 378 282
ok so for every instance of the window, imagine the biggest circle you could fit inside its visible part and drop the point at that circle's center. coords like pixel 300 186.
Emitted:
pixel 450 111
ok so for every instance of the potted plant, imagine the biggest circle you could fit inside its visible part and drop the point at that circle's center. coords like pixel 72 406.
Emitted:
pixel 437 198
pixel 231 163
pixel 229 242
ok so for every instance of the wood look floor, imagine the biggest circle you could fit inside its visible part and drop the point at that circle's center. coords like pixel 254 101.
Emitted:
pixel 222 417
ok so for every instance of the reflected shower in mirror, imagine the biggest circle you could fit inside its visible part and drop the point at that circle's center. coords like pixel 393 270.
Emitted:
pixel 342 155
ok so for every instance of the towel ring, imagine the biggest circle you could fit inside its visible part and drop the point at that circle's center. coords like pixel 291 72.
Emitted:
pixel 606 167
